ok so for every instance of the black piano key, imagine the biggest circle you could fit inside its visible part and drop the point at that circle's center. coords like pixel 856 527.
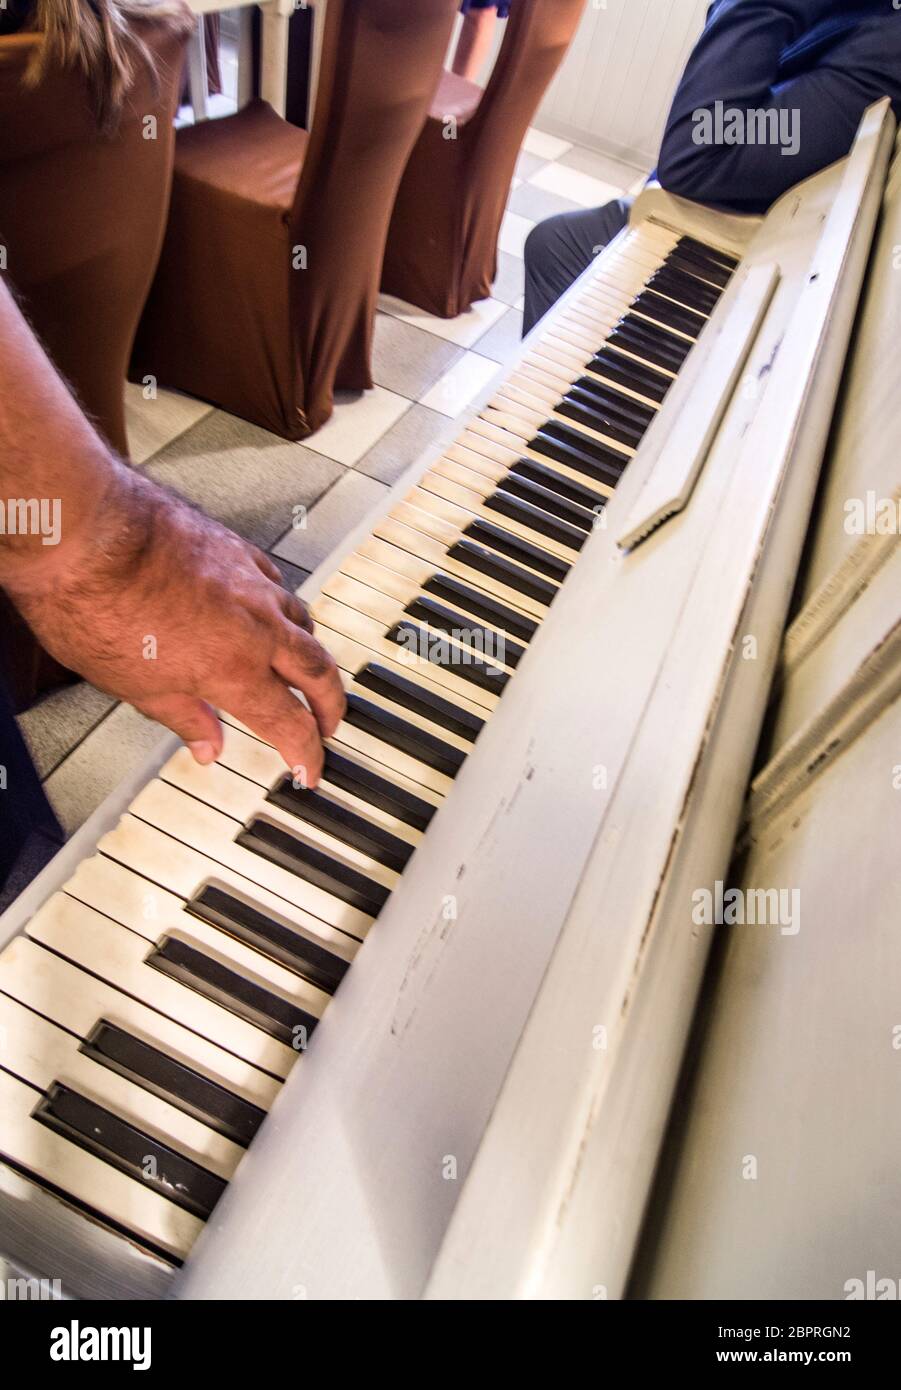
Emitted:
pixel 477 636
pixel 318 868
pixel 524 552
pixel 550 501
pixel 710 253
pixel 379 791
pixel 262 1007
pixel 626 407
pixel 600 462
pixel 290 948
pixel 657 336
pixel 125 1147
pixel 413 696
pixel 504 571
pixel 484 674
pixel 630 338
pixel 188 1090
pixel 624 372
pixel 527 514
pixel 541 473
pixel 703 270
pixel 685 289
pixel 663 310
pixel 326 814
pixel 498 614
pixel 579 406
pixel 401 734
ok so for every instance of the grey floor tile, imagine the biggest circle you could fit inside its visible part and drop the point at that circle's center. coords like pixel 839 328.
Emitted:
pixel 330 520
pixel 100 763
pixel 244 476
pixel 52 728
pixel 538 203
pixel 601 166
pixel 509 283
pixel 502 340
pixel 291 574
pixel 528 164
pixel 152 424
pixel 413 434
pixel 408 360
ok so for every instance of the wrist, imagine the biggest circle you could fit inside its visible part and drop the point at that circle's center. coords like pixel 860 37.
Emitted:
pixel 92 539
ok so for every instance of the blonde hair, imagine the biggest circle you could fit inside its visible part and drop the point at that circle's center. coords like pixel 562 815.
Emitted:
pixel 97 39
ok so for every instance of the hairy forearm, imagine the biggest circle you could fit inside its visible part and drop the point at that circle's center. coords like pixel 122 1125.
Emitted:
pixel 56 474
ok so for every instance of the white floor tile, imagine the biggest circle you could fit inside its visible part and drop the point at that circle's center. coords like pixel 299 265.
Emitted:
pixel 357 424
pixel 463 330
pixel 453 392
pixel 514 230
pixel 580 188
pixel 151 425
pixel 545 146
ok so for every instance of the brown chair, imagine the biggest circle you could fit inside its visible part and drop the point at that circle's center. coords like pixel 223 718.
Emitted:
pixel 266 290
pixel 81 220
pixel 442 243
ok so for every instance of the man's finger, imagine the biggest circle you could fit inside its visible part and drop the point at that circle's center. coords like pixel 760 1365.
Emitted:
pixel 268 566
pixel 193 720
pixel 277 716
pixel 304 663
pixel 296 611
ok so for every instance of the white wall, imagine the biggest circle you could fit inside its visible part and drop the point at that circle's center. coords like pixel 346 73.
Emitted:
pixel 614 88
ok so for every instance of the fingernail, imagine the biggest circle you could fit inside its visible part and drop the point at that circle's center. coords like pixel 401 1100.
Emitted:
pixel 202 753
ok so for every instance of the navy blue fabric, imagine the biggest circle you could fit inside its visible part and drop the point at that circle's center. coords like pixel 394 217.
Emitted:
pixel 502 6
pixel 560 248
pixel 823 60
pixel 826 60
pixel 29 831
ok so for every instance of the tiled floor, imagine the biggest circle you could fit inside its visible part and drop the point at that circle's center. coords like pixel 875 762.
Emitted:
pixel 427 371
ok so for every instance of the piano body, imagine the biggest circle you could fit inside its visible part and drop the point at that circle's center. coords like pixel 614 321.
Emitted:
pixel 482 1108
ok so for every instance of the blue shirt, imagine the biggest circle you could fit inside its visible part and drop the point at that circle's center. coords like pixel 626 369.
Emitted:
pixel 813 66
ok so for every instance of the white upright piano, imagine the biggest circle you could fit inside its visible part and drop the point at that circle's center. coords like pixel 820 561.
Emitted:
pixel 421 1034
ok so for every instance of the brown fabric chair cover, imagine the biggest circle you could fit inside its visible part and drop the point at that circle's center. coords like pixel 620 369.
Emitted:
pixel 81 218
pixel 442 243
pixel 233 316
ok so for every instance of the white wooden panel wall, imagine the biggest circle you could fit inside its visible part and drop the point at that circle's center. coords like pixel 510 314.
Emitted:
pixel 615 85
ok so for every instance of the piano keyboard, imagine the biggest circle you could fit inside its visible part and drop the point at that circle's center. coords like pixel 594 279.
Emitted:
pixel 155 1004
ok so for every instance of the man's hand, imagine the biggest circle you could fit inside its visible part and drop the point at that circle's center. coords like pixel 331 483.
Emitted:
pixel 142 595
pixel 158 605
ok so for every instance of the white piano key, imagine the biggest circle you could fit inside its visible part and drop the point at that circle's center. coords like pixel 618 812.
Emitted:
pixel 55 1160
pixel 412 530
pixel 385 609
pixel 40 1052
pixel 156 855
pixel 152 912
pixel 452 502
pixel 393 581
pixel 213 835
pixel 96 943
pixel 262 764
pixel 232 795
pixel 78 1001
pixel 369 634
pixel 511 403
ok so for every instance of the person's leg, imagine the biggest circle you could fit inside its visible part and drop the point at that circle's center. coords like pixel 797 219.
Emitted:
pixel 474 42
pixel 559 249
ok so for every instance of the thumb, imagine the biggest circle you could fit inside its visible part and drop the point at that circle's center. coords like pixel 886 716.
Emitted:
pixel 193 720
